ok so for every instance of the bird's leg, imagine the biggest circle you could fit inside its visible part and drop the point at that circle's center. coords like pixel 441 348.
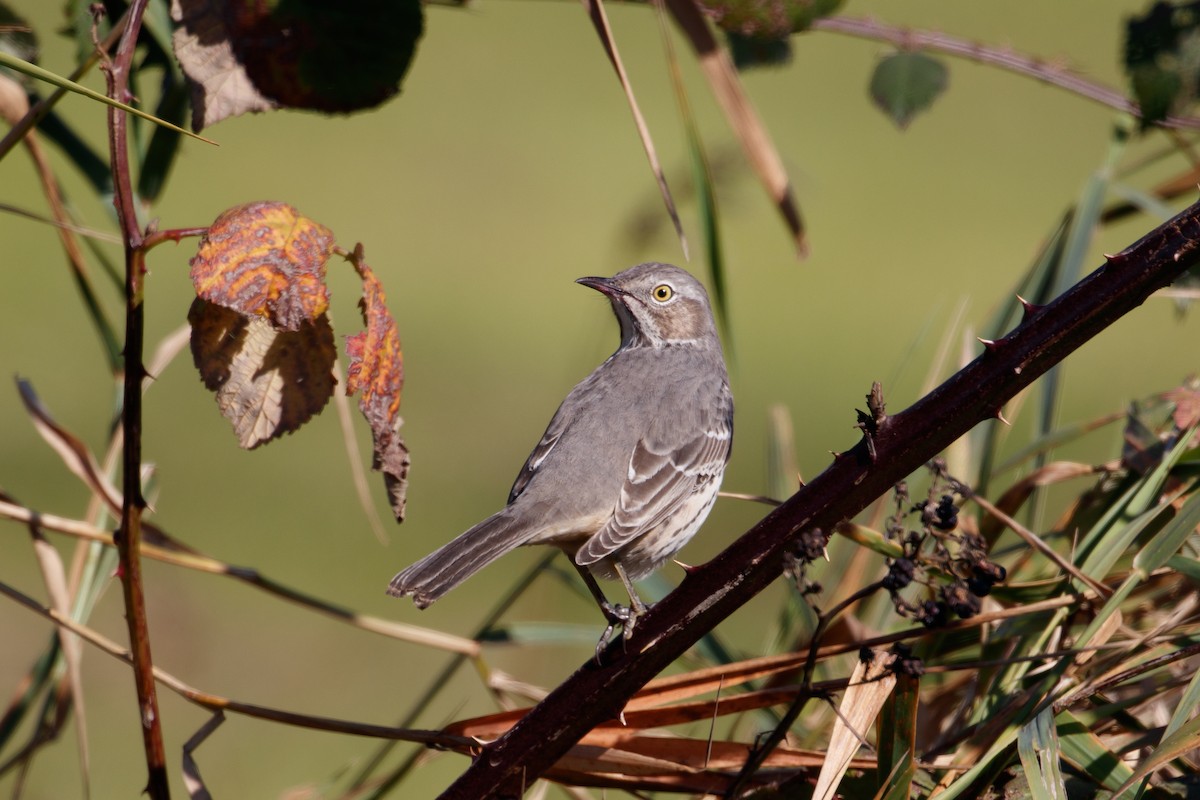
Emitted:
pixel 614 614
pixel 636 607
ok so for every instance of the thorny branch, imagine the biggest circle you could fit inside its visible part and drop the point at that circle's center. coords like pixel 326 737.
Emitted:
pixel 129 534
pixel 901 444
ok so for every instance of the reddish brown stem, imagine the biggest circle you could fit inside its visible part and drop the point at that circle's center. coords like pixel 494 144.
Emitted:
pixel 130 533
pixel 175 235
pixel 900 445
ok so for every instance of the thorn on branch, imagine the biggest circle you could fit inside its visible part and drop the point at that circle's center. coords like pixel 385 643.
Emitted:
pixel 1030 310
pixel 871 420
pixel 989 345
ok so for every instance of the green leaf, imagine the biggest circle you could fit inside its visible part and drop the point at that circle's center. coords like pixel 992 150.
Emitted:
pixel 1187 567
pixel 1038 748
pixel 906 83
pixel 164 143
pixel 1082 748
pixel 1036 287
pixel 871 539
pixel 898 739
pixel 1167 541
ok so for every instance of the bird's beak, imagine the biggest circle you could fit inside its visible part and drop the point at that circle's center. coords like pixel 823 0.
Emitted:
pixel 603 285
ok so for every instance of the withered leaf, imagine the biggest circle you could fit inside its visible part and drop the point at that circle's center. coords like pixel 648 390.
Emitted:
pixel 268 382
pixel 265 259
pixel 376 374
pixel 1187 405
pixel 246 55
pixel 220 88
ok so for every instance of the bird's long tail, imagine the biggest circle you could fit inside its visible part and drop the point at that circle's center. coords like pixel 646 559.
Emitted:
pixel 451 564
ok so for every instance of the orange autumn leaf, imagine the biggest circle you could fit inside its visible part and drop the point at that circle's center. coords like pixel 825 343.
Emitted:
pixel 264 259
pixel 376 374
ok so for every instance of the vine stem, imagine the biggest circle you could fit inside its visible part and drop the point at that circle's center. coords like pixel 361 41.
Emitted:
pixel 129 535
pixel 1051 72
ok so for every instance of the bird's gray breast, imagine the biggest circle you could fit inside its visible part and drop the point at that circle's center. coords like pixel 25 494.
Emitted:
pixel 673 392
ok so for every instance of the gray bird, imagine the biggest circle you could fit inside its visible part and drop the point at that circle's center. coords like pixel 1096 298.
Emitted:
pixel 630 464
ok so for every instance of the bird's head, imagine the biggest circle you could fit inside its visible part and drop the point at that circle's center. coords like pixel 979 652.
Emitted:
pixel 658 305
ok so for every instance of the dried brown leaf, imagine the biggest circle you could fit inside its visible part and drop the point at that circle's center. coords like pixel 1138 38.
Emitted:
pixel 1187 405
pixel 376 374
pixel 55 578
pixel 220 87
pixel 870 684
pixel 618 731
pixel 70 448
pixel 268 382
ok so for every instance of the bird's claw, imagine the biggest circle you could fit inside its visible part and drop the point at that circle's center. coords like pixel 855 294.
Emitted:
pixel 625 616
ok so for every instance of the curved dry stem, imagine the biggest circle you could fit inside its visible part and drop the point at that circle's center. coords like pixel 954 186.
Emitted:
pixel 201 563
pixel 218 703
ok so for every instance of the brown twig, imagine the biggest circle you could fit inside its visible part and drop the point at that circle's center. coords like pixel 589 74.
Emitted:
pixel 1114 680
pixel 1029 66
pixel 176 235
pixel 129 534
pixel 215 702
pixel 171 552
pixel 901 444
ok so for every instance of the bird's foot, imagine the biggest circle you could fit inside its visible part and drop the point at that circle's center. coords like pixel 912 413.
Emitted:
pixel 625 616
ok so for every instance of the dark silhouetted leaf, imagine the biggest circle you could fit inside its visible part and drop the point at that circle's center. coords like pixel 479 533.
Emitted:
pixel 268 382
pixel 768 19
pixel 265 259
pixel 1162 56
pixel 86 159
pixel 907 83
pixel 242 55
pixel 376 374
pixel 164 142
pixel 758 51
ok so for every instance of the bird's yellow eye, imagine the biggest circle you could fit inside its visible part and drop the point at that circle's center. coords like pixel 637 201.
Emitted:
pixel 663 292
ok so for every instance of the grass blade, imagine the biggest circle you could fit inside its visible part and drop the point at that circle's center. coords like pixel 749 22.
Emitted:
pixel 595 10
pixel 34 71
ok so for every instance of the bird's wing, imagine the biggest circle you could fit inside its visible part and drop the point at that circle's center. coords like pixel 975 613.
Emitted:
pixel 664 470
pixel 549 439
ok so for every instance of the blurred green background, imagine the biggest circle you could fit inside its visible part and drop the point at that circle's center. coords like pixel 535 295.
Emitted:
pixel 507 168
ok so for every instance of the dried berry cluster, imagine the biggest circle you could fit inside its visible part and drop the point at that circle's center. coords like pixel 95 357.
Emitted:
pixel 950 562
pixel 810 546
